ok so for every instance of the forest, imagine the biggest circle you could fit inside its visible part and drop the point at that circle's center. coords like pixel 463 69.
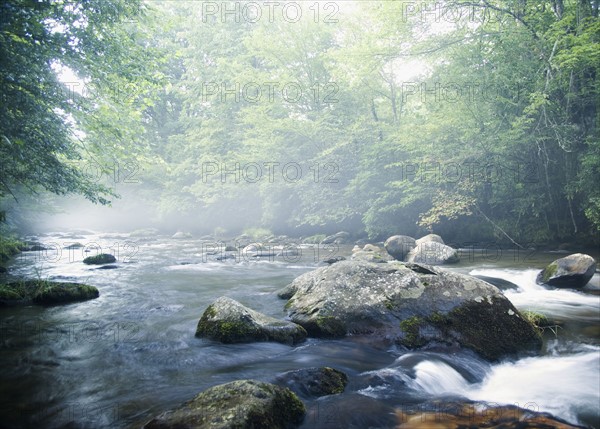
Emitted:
pixel 474 120
pixel 311 214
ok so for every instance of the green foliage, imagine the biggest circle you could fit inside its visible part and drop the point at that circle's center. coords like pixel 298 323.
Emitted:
pixel 9 246
pixel 257 233
pixel 49 128
pixel 492 135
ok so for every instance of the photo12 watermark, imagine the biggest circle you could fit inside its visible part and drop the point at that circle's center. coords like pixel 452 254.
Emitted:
pixel 458 92
pixel 253 12
pixel 436 172
pixel 72 251
pixel 268 171
pixel 256 92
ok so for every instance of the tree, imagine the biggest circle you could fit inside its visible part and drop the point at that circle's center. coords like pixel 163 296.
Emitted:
pixel 43 122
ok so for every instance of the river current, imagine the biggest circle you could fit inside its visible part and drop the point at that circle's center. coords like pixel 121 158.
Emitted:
pixel 116 361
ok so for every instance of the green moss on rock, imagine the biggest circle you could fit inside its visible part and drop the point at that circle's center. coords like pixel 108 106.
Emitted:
pixel 228 321
pixel 470 325
pixel 59 293
pixel 411 328
pixel 102 258
pixel 314 382
pixel 45 292
pixel 242 404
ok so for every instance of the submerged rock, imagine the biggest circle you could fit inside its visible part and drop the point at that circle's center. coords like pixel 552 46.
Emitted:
pixel 107 267
pixel 501 284
pixel 74 246
pixel 433 253
pixel 45 292
pixel 409 304
pixel 102 258
pixel 314 382
pixel 242 404
pixel 453 415
pixel 573 271
pixel 398 246
pixel 228 321
pixel 334 259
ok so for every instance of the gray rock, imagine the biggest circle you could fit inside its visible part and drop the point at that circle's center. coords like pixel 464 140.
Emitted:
pixel 341 237
pixel 409 304
pixel 333 260
pixel 180 234
pixel 228 321
pixel 573 271
pixel 242 404
pixel 430 238
pixel 372 253
pixel 399 245
pixel 433 253
pixel 314 382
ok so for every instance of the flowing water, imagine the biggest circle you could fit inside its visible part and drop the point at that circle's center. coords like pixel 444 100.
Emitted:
pixel 116 361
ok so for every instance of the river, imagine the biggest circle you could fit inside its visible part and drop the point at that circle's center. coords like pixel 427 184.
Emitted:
pixel 116 361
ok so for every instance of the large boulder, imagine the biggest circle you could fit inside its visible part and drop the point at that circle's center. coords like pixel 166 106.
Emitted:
pixel 341 237
pixel 314 382
pixel 242 404
pixel 45 292
pixel 409 304
pixel 399 245
pixel 372 253
pixel 573 271
pixel 228 321
pixel 430 238
pixel 433 253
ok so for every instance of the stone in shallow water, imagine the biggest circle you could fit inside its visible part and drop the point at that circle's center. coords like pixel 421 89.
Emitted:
pixel 242 404
pixel 311 382
pixel 102 258
pixel 399 245
pixel 455 415
pixel 45 292
pixel 228 321
pixel 573 271
pixel 410 304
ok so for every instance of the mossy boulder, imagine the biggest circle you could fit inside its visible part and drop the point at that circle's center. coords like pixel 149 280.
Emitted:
pixel 410 304
pixel 102 258
pixel 45 292
pixel 398 246
pixel 573 271
pixel 228 321
pixel 242 404
pixel 314 382
pixel 432 253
